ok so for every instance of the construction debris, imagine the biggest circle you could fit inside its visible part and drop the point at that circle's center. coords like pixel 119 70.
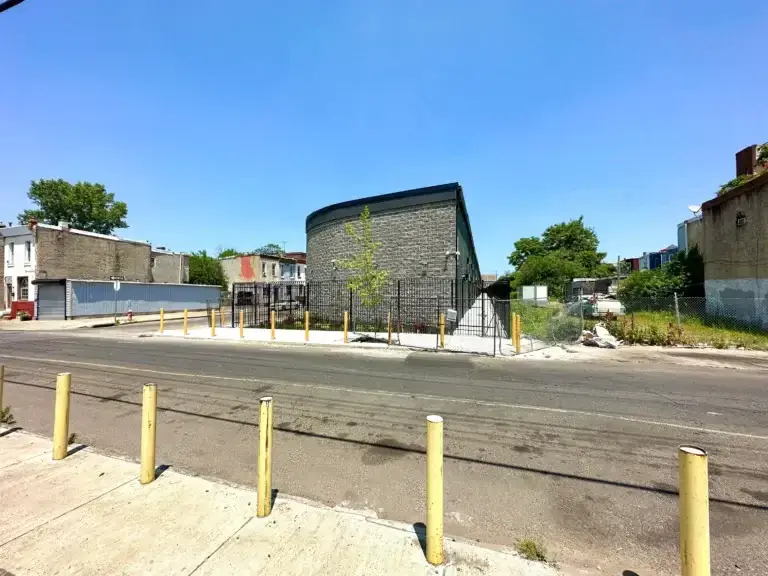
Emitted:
pixel 600 338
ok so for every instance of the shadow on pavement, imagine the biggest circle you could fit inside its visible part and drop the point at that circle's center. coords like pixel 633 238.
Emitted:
pixel 76 449
pixel 421 534
pixel 10 431
pixel 160 469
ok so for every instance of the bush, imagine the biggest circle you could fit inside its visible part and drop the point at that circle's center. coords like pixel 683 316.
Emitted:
pixel 24 316
pixel 564 328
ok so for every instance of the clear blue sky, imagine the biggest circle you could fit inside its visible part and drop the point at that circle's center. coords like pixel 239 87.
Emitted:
pixel 224 123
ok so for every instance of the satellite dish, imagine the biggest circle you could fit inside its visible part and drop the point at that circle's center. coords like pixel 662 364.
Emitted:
pixel 694 208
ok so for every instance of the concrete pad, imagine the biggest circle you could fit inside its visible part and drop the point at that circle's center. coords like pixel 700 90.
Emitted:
pixel 300 539
pixel 16 447
pixel 167 527
pixel 39 489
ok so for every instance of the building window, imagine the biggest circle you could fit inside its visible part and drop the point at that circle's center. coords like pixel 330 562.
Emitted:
pixel 9 259
pixel 151 262
pixel 23 288
pixel 27 251
pixel 274 270
pixel 263 269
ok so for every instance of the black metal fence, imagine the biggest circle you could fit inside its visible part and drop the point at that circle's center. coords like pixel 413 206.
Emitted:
pixel 411 305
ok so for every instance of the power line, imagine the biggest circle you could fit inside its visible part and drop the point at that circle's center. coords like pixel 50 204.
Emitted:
pixel 8 4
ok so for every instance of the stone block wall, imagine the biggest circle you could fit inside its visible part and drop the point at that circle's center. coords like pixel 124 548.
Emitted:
pixel 414 242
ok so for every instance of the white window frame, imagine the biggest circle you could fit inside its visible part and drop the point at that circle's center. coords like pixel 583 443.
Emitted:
pixel 263 269
pixel 11 253
pixel 27 251
pixel 21 296
pixel 274 270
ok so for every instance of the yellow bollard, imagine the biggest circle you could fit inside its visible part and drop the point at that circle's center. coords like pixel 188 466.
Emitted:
pixel 272 324
pixel 241 323
pixel 442 330
pixel 389 329
pixel 346 326
pixel 148 433
pixel 162 320
pixel 694 511
pixel 306 326
pixel 61 416
pixel 264 479
pixel 435 490
pixel 186 322
pixel 517 333
pixel 213 322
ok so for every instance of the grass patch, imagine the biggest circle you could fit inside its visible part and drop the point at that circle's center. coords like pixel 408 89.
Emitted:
pixel 6 416
pixel 660 329
pixel 531 550
pixel 548 323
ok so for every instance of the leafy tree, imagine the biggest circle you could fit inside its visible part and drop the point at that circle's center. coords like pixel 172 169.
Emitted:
pixel 683 275
pixel 271 249
pixel 525 248
pixel 85 205
pixel 204 269
pixel 565 251
pixel 366 280
pixel 227 253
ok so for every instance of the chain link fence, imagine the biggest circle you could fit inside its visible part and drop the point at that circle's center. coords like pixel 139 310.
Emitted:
pixel 717 322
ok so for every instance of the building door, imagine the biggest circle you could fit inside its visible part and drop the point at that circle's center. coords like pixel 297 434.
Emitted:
pixel 7 291
pixel 51 301
pixel 23 289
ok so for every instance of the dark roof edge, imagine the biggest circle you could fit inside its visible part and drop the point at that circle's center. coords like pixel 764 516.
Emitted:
pixel 61 281
pixel 462 205
pixel 749 185
pixel 392 199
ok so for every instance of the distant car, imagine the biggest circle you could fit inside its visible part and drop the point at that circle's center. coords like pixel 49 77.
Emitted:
pixel 288 304
pixel 597 307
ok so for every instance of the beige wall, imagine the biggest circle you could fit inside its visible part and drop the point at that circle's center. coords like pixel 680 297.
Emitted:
pixel 170 268
pixel 696 234
pixel 737 252
pixel 249 269
pixel 64 254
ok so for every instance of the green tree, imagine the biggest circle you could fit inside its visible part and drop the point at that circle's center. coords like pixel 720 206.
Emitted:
pixel 85 205
pixel 228 253
pixel 524 249
pixel 272 249
pixel 204 269
pixel 367 280
pixel 564 251
pixel 684 275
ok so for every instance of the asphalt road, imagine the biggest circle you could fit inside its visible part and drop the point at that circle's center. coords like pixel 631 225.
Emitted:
pixel 581 456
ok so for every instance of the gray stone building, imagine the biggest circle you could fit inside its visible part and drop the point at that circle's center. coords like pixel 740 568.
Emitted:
pixel 424 233
pixel 426 246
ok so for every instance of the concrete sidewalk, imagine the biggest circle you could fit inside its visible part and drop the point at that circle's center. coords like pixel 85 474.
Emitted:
pixel 42 325
pixel 453 343
pixel 88 514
